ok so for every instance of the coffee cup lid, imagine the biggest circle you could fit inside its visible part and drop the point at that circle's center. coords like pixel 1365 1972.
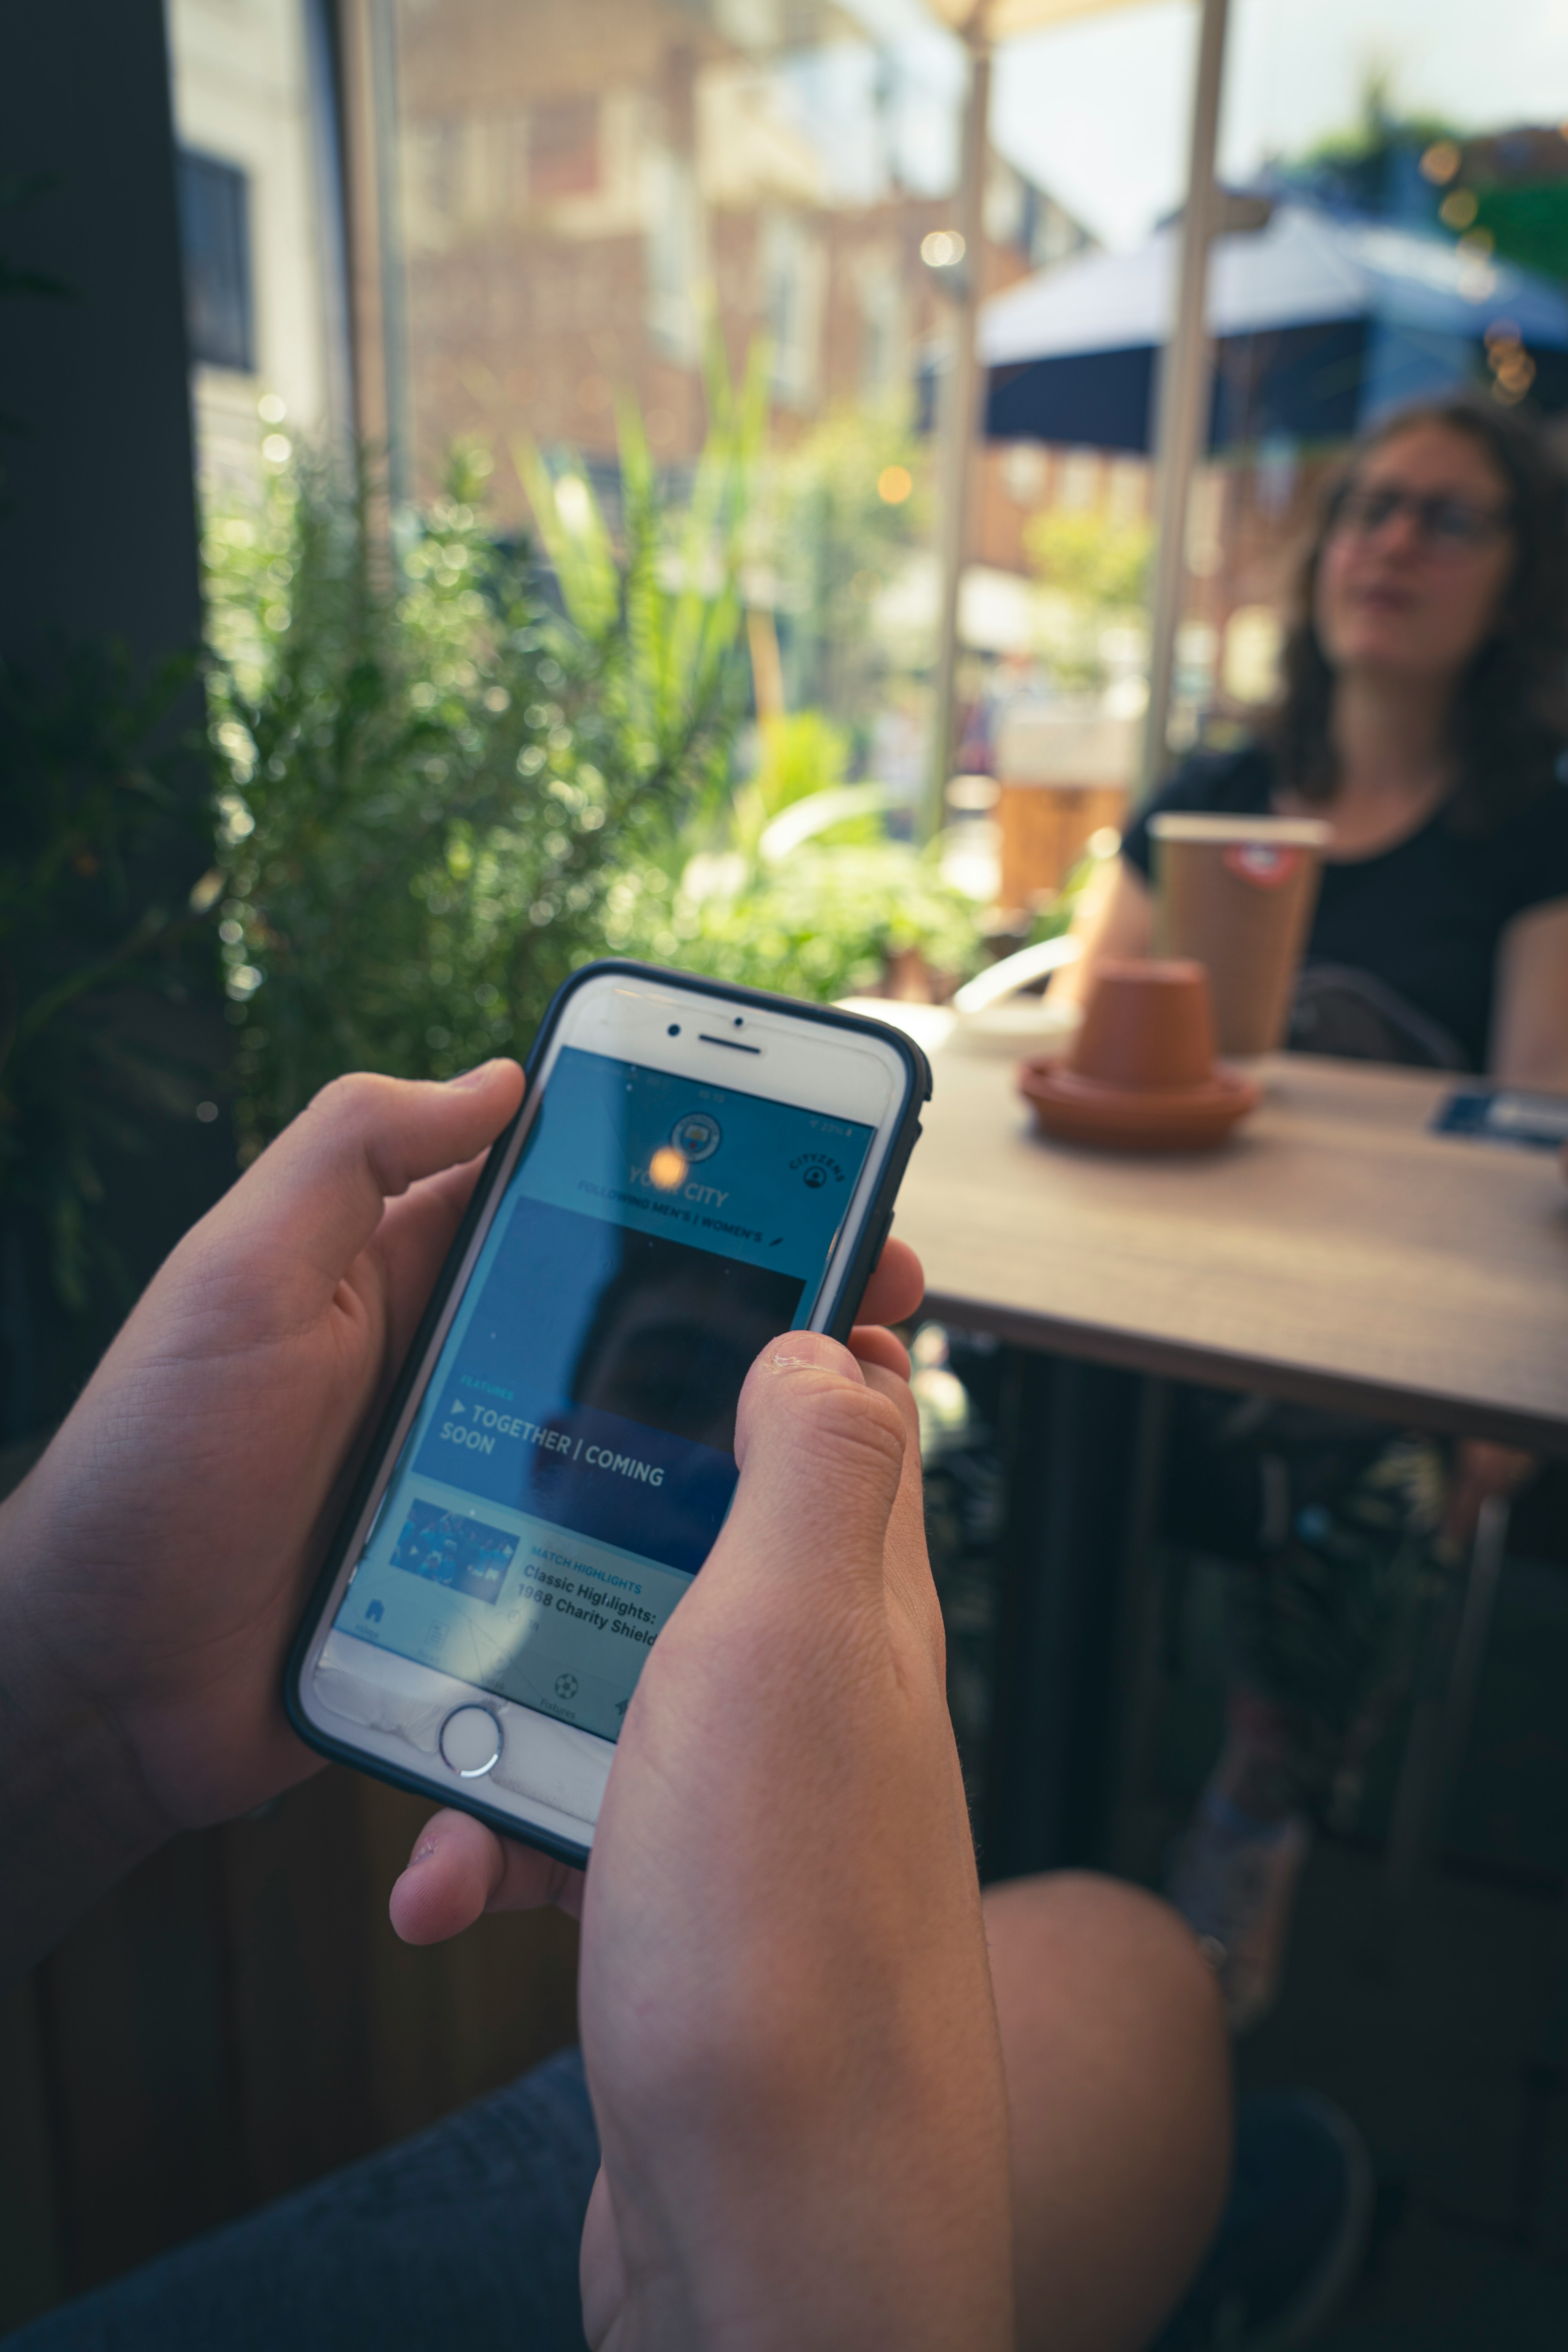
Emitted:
pixel 1279 832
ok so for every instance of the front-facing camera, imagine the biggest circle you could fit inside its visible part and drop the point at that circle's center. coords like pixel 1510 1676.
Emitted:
pixel 675 1029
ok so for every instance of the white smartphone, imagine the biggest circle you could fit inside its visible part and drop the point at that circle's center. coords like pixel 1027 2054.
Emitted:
pixel 694 1168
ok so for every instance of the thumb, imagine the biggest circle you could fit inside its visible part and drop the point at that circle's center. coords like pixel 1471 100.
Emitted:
pixel 770 1670
pixel 821 1452
pixel 314 1197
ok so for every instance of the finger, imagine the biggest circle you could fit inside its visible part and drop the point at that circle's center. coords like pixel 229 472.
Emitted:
pixel 897 1286
pixel 314 1197
pixel 459 1869
pixel 907 1561
pixel 869 1344
pixel 413 1240
pixel 603 2268
pixel 821 1452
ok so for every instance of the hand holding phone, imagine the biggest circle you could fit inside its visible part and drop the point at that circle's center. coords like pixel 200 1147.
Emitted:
pixel 694 1168
pixel 153 1563
pixel 786 1900
pixel 459 1868
pixel 783 1999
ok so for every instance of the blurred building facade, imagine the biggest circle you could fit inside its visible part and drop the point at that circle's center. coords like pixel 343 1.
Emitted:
pixel 256 124
pixel 497 220
pixel 582 192
pixel 555 209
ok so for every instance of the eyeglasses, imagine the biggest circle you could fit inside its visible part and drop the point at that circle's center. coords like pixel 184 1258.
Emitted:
pixel 1445 526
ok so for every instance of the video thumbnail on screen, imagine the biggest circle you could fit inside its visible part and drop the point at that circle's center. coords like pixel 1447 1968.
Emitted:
pixel 447 1548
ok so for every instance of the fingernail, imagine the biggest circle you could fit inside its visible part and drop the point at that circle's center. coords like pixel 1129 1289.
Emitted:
pixel 779 1360
pixel 474 1078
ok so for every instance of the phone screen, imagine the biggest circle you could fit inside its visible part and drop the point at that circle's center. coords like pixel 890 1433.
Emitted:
pixel 572 1457
pixel 1509 1115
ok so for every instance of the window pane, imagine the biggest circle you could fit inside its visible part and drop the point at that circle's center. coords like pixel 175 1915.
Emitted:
pixel 592 200
pixel 256 115
pixel 214 230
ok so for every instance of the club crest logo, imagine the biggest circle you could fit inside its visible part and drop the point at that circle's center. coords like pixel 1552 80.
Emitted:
pixel 1265 864
pixel 696 1136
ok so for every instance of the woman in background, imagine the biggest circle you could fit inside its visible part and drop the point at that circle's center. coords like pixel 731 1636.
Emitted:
pixel 1425 716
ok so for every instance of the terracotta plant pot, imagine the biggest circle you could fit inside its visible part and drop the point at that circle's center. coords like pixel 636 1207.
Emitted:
pixel 1147 1027
pixel 1142 1076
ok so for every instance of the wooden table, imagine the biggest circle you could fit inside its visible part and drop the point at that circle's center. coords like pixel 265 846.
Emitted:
pixel 1334 1252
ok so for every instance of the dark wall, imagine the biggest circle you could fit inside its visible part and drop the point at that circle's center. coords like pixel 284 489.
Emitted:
pixel 100 535
pixel 97 542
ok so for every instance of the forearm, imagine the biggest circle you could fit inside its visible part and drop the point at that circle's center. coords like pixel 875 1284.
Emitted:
pixel 785 1999
pixel 1541 1063
pixel 829 2163
pixel 74 1814
pixel 883 2217
pixel 1115 919
pixel 1530 1033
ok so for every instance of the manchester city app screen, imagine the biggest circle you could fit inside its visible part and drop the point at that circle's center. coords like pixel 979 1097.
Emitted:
pixel 573 1458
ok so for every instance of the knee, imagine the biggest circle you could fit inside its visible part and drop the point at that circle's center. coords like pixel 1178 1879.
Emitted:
pixel 1075 1927
pixel 1112 1974
pixel 1118 2069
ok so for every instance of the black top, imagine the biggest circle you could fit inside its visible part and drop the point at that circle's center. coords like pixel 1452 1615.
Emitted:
pixel 1400 959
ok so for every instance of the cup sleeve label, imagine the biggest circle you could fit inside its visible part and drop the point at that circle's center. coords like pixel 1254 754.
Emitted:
pixel 1266 864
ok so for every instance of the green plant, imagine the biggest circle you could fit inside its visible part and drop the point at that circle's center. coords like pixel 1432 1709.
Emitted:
pixel 1099 563
pixel 797 756
pixel 431 780
pixel 802 760
pixel 1098 572
pixel 656 618
pixel 819 924
pixel 839 517
pixel 1378 126
pixel 1528 224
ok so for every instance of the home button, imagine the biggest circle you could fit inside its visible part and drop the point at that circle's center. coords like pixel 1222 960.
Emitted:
pixel 470 1742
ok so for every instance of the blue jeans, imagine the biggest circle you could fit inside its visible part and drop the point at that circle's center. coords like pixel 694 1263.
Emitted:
pixel 468 2233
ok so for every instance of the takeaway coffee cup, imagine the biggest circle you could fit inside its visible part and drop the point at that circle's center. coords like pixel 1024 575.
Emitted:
pixel 1236 894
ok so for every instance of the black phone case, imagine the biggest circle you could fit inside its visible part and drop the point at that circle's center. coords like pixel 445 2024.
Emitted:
pixel 876 1224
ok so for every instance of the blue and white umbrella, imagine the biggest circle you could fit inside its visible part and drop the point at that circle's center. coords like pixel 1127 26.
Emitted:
pixel 1320 323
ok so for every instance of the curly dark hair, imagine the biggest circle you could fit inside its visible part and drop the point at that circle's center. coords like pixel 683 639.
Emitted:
pixel 1510 714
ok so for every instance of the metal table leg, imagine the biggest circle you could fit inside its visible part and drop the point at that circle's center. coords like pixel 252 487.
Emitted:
pixel 1449 1679
pixel 1082 1447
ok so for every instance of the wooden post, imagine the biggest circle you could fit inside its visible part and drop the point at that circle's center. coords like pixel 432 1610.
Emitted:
pixel 958 413
pixel 1186 373
pixel 376 307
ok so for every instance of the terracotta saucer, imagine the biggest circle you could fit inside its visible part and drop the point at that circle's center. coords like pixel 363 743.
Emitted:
pixel 1076 1109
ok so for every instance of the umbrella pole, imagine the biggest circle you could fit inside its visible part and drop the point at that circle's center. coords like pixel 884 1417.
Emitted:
pixel 1185 374
pixel 957 413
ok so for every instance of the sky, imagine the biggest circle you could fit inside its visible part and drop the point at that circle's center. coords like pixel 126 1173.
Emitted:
pixel 1096 112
